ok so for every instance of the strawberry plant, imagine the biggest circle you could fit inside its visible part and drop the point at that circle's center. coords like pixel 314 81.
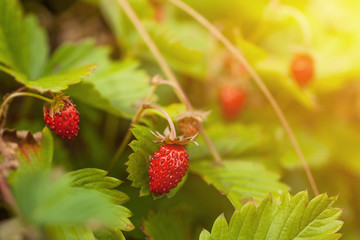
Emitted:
pixel 199 119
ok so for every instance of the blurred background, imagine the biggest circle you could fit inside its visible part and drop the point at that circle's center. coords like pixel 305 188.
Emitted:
pixel 320 96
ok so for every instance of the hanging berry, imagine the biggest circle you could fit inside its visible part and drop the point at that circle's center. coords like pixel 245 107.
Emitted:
pixel 232 100
pixel 62 117
pixel 302 69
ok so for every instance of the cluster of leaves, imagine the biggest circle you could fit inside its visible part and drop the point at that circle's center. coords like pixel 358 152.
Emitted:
pixel 259 163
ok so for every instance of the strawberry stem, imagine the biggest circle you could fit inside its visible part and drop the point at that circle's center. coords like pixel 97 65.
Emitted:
pixel 168 118
pixel 5 103
pixel 19 94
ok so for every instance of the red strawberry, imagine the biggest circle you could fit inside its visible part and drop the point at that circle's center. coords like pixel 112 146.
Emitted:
pixel 63 118
pixel 167 168
pixel 302 68
pixel 232 100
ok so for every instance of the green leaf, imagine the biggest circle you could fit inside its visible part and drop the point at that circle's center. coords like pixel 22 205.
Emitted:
pixel 116 87
pixel 24 52
pixel 47 147
pixel 70 55
pixel 109 234
pixel 96 179
pixel 230 140
pixel 124 84
pixel 61 81
pixel 138 164
pixel 240 180
pixel 23 44
pixel 284 217
pixel 73 232
pixel 181 57
pixel 45 201
pixel 205 235
pixel 54 83
pixel 167 225
pixel 81 92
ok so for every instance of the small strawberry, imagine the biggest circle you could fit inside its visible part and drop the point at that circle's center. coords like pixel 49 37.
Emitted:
pixel 63 117
pixel 167 168
pixel 189 123
pixel 232 100
pixel 169 164
pixel 302 68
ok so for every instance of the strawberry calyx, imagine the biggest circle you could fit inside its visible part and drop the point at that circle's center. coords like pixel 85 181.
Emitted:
pixel 167 138
pixel 57 104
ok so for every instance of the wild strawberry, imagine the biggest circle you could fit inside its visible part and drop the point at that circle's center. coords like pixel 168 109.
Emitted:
pixel 232 100
pixel 168 165
pixel 63 117
pixel 189 126
pixel 302 68
pixel 167 168
pixel 189 123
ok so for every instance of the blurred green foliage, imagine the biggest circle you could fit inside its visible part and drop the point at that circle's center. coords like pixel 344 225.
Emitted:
pixel 56 46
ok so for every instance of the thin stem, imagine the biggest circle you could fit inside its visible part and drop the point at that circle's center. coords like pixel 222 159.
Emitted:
pixel 299 17
pixel 162 63
pixel 259 82
pixel 147 39
pixel 176 86
pixel 211 146
pixel 17 94
pixel 128 134
pixel 168 118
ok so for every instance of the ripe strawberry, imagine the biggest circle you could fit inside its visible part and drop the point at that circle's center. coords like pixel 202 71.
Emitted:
pixel 232 100
pixel 302 68
pixel 167 168
pixel 63 117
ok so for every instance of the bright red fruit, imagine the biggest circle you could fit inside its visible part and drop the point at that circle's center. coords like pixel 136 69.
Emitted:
pixel 302 68
pixel 167 168
pixel 64 119
pixel 232 100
